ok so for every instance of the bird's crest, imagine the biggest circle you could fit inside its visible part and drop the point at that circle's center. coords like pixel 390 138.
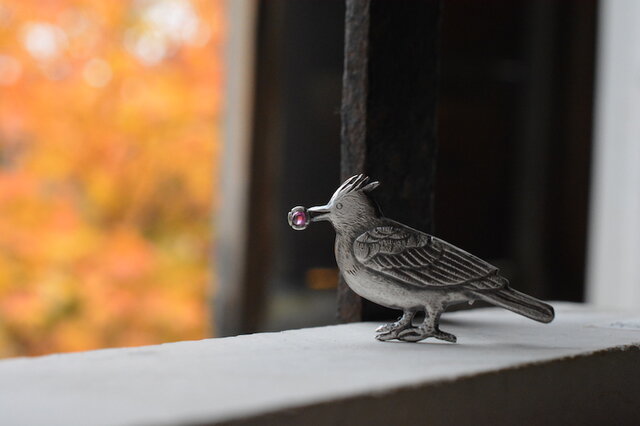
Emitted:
pixel 356 183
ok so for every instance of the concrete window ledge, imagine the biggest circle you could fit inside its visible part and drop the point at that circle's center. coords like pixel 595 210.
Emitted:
pixel 584 368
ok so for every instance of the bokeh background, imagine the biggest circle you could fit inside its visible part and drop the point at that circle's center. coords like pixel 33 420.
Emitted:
pixel 115 156
pixel 109 140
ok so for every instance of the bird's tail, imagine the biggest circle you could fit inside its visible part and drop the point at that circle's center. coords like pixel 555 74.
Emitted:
pixel 520 303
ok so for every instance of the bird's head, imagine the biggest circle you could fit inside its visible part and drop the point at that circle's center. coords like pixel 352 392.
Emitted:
pixel 348 206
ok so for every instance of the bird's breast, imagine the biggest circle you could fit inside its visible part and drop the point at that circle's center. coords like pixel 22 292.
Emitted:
pixel 367 283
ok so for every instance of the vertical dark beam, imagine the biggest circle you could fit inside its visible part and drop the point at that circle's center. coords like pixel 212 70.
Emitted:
pixel 532 154
pixel 388 113
pixel 354 121
pixel 568 203
pixel 267 136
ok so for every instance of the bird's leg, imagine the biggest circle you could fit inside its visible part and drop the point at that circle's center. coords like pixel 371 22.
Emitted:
pixel 429 328
pixel 391 330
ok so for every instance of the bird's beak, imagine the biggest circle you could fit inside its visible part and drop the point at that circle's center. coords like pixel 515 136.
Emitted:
pixel 316 214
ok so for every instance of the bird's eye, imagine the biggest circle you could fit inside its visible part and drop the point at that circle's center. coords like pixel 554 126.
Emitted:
pixel 339 206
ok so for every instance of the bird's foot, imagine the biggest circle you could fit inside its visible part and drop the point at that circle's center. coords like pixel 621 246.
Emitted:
pixel 415 334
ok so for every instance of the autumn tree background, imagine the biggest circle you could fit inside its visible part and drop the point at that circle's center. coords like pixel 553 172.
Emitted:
pixel 108 162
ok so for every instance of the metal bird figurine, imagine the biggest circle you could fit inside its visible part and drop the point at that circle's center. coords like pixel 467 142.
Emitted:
pixel 402 268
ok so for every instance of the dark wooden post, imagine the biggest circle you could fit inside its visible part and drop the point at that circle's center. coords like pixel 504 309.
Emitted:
pixel 388 114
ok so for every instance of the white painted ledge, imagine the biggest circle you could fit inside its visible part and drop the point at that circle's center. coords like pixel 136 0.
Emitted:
pixel 582 368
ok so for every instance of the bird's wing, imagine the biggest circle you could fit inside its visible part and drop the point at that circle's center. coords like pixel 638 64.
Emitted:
pixel 422 260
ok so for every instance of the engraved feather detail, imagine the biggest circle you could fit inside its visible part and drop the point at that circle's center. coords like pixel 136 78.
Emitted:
pixel 386 240
pixel 422 260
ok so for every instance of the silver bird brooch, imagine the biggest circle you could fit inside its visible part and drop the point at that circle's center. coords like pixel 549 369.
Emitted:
pixel 402 268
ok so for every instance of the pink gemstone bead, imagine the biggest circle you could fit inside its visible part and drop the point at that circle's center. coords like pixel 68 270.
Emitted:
pixel 299 218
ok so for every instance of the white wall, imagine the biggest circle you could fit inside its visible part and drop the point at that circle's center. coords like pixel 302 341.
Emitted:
pixel 614 245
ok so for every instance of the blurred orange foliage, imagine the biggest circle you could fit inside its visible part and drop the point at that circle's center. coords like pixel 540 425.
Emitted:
pixel 108 155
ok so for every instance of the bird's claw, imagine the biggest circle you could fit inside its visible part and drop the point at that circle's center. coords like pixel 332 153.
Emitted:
pixel 396 327
pixel 417 333
pixel 447 337
pixel 412 335
pixel 384 328
pixel 383 337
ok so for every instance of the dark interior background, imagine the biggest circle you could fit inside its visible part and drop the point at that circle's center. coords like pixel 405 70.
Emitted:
pixel 514 135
